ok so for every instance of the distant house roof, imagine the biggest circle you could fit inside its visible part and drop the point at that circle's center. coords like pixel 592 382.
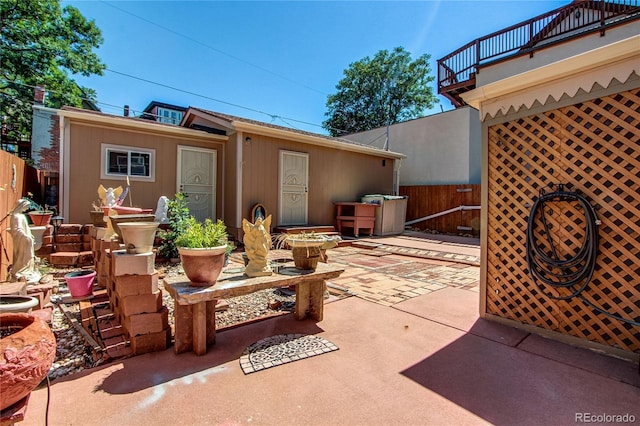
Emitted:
pixel 88 103
pixel 234 123
pixel 136 122
pixel 148 115
pixel 154 104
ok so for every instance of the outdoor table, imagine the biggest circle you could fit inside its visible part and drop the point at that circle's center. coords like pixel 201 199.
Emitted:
pixel 194 307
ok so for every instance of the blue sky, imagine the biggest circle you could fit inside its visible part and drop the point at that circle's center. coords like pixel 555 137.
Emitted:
pixel 273 61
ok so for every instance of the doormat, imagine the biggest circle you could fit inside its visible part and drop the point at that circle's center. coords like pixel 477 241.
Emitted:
pixel 282 349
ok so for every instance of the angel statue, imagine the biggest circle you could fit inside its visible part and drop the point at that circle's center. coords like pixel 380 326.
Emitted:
pixel 109 198
pixel 257 242
pixel 23 266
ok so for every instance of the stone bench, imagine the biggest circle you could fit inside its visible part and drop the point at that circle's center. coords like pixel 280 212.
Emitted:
pixel 194 307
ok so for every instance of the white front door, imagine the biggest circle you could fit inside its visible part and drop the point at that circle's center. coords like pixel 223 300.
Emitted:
pixel 294 175
pixel 197 180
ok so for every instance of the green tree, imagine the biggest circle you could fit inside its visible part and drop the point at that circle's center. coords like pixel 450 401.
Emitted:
pixel 388 89
pixel 42 44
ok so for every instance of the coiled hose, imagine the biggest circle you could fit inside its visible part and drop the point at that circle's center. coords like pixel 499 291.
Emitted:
pixel 571 275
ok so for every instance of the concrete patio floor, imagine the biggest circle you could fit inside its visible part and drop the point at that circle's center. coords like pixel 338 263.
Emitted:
pixel 412 350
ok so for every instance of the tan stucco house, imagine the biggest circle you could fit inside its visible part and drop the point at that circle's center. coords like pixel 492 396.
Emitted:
pixel 225 164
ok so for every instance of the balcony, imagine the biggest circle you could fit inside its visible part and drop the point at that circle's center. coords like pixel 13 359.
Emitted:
pixel 457 71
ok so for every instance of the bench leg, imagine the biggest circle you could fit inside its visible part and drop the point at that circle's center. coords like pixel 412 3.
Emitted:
pixel 200 328
pixel 183 320
pixel 310 300
pixel 184 326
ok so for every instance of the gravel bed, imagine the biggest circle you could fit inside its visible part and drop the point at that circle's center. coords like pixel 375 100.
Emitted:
pixel 74 354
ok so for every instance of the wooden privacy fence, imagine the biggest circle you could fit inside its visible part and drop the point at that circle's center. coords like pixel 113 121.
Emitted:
pixel 427 200
pixel 595 147
pixel 16 180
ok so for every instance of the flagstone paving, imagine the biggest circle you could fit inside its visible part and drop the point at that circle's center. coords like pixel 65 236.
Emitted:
pixel 382 277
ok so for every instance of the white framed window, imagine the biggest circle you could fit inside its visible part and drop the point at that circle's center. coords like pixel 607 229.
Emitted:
pixel 169 116
pixel 122 161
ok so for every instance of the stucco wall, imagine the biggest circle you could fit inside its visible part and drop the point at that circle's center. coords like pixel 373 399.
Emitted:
pixel 334 175
pixel 83 171
pixel 441 149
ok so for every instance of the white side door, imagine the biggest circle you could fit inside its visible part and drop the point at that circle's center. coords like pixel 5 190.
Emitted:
pixel 294 175
pixel 197 180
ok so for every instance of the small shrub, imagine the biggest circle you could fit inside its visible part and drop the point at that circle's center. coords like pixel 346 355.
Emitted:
pixel 178 215
pixel 199 235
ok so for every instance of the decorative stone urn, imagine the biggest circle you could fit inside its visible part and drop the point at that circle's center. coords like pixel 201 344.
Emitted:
pixel 138 237
pixel 38 233
pixel 123 218
pixel 27 350
pixel 17 303
pixel 202 265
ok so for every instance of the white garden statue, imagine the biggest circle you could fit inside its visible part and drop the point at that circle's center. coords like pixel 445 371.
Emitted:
pixel 162 210
pixel 23 267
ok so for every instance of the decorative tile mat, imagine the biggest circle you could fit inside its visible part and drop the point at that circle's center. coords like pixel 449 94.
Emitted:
pixel 282 349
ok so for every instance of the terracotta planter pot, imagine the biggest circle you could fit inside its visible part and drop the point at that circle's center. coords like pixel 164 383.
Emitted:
pixel 26 355
pixel 202 265
pixel 40 218
pixel 138 237
pixel 80 283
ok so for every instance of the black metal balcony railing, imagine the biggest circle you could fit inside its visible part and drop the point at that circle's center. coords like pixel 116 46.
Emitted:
pixel 457 71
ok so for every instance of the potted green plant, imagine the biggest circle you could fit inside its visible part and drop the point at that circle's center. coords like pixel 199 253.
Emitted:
pixel 202 247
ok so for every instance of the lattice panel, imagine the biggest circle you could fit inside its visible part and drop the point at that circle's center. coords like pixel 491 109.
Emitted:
pixel 595 147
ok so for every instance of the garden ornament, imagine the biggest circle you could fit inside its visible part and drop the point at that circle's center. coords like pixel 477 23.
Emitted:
pixel 161 210
pixel 23 266
pixel 109 196
pixel 257 242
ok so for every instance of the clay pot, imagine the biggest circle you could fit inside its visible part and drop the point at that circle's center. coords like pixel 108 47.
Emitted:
pixel 202 265
pixel 26 355
pixel 40 218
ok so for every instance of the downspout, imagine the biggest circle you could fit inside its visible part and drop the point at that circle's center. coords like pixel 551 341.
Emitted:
pixel 64 166
pixel 396 176
pixel 239 194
